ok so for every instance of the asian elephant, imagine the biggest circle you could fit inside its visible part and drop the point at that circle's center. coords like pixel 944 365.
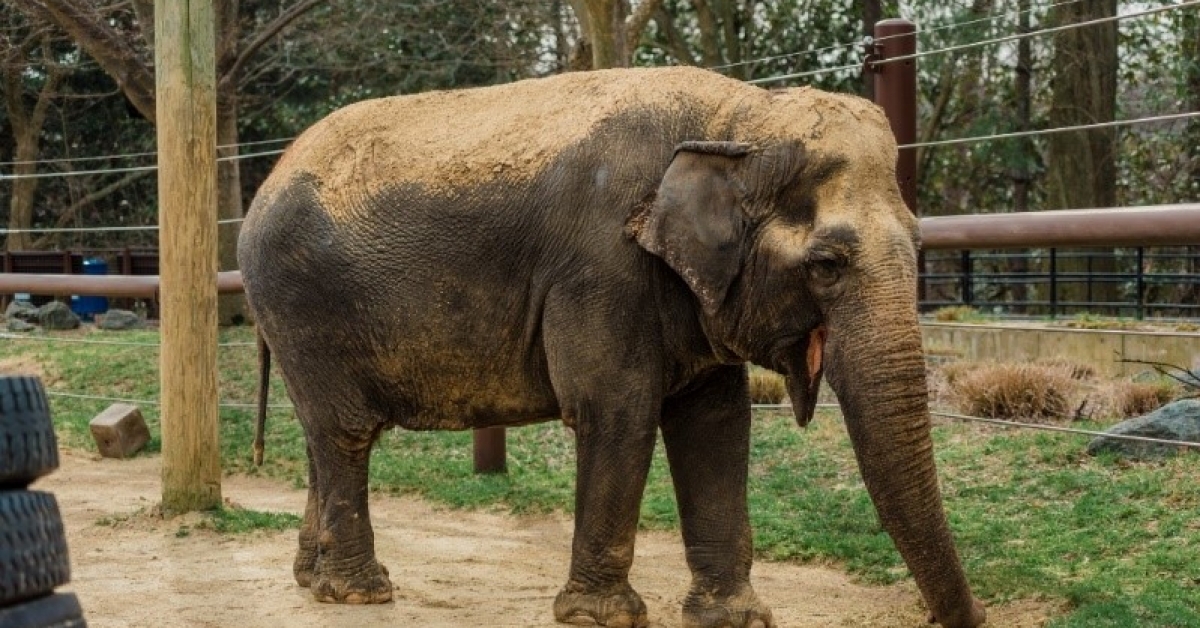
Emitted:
pixel 609 248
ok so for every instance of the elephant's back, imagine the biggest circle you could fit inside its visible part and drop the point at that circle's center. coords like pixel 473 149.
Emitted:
pixel 448 141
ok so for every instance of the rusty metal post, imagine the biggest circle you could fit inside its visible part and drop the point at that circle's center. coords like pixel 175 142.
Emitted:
pixel 896 93
pixel 490 450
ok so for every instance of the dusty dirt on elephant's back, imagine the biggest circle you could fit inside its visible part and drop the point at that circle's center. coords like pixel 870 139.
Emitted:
pixel 451 568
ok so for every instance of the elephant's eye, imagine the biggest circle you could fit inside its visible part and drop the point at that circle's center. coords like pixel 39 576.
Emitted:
pixel 825 268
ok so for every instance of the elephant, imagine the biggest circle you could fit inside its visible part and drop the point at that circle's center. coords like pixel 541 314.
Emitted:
pixel 609 249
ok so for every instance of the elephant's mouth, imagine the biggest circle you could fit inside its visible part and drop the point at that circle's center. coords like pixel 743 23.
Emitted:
pixel 802 363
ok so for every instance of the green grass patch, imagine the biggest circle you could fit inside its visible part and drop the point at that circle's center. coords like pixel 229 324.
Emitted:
pixel 1033 515
pixel 231 520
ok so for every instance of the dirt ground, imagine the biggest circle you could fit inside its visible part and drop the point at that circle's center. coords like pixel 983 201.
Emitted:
pixel 450 568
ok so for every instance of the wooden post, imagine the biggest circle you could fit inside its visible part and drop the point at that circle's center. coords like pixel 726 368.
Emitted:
pixel 187 216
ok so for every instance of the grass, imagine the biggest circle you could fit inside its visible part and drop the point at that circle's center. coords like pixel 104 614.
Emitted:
pixel 1034 517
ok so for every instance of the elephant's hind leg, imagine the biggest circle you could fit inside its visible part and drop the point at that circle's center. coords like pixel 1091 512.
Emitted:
pixel 305 564
pixel 336 558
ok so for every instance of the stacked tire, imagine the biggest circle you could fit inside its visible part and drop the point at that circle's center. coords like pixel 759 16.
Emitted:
pixel 33 543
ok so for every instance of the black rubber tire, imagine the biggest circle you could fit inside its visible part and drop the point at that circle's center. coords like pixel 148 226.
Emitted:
pixel 60 610
pixel 28 449
pixel 33 546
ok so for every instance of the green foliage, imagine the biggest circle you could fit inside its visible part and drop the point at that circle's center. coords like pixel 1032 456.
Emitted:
pixel 1032 515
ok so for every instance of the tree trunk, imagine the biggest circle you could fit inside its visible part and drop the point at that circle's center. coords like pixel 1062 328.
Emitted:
pixel 20 205
pixel 1189 38
pixel 231 308
pixel 606 19
pixel 1081 166
pixel 27 136
pixel 1021 171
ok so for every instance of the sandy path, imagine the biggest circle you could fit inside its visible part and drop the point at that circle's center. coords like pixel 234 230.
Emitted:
pixel 450 568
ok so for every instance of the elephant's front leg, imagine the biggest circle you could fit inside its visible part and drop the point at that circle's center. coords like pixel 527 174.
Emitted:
pixel 613 454
pixel 608 389
pixel 707 435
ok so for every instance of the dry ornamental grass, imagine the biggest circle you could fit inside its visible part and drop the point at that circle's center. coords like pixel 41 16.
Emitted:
pixel 1033 392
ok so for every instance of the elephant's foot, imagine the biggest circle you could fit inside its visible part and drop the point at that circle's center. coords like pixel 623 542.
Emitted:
pixel 704 609
pixel 370 585
pixel 617 607
pixel 305 565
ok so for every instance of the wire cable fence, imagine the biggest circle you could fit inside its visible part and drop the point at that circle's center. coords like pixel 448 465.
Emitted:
pixel 840 46
pixel 1038 33
pixel 754 407
pixel 64 160
pixel 875 40
pixel 127 169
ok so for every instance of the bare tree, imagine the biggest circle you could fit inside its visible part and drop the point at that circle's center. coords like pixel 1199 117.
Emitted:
pixel 120 37
pixel 26 120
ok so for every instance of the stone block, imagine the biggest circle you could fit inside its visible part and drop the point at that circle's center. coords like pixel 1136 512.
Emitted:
pixel 120 431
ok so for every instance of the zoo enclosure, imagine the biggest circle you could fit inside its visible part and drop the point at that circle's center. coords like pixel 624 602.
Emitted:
pixel 891 58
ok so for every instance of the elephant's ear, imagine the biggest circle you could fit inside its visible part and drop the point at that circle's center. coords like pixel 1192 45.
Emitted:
pixel 695 222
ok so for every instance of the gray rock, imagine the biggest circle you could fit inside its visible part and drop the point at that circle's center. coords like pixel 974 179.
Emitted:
pixel 1179 421
pixel 57 315
pixel 22 310
pixel 118 319
pixel 16 324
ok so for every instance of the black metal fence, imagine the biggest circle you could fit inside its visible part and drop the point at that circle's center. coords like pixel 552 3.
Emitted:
pixel 1137 282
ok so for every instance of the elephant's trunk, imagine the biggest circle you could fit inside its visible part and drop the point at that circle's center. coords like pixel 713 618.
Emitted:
pixel 876 367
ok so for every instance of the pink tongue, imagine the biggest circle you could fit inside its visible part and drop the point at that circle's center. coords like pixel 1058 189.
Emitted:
pixel 816 351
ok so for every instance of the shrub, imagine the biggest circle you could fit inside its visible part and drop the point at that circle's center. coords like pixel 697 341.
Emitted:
pixel 1078 370
pixel 958 314
pixel 766 386
pixel 1016 391
pixel 1124 399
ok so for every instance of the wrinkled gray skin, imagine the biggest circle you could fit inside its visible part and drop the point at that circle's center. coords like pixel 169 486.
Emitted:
pixel 610 248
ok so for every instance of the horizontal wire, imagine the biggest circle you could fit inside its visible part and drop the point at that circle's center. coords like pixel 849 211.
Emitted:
pixel 155 402
pixel 1068 430
pixel 1017 424
pixel 1042 31
pixel 785 77
pixel 223 221
pixel 63 160
pixel 119 343
pixel 1082 127
pixel 126 169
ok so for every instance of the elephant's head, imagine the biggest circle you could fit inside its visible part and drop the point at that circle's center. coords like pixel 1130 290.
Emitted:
pixel 802 257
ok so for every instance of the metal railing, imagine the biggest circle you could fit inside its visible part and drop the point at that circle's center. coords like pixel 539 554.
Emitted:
pixel 1140 282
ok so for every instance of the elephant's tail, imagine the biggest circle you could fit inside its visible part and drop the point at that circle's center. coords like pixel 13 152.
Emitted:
pixel 264 388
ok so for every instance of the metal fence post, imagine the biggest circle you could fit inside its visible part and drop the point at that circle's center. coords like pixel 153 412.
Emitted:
pixel 896 93
pixel 490 450
pixel 968 282
pixel 1141 283
pixel 1053 283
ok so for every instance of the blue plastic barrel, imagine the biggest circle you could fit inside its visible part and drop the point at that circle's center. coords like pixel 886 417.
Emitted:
pixel 87 307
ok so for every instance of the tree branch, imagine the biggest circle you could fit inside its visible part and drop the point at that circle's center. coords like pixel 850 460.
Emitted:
pixel 103 43
pixel 269 32
pixel 636 24
pixel 69 212
pixel 675 42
